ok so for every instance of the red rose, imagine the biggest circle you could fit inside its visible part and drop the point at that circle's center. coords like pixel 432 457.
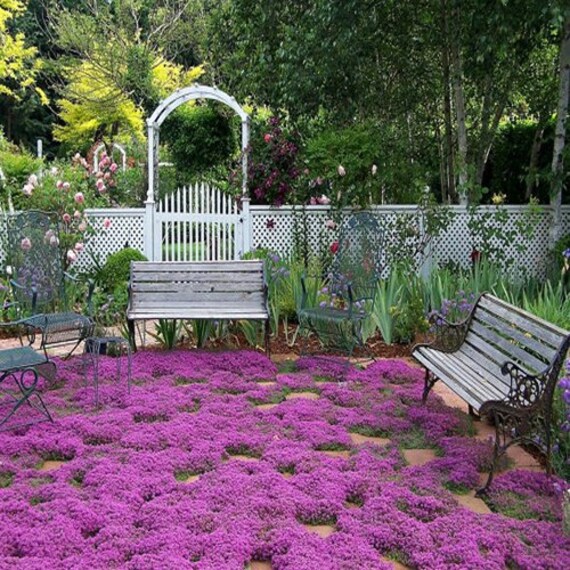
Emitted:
pixel 267 138
pixel 334 247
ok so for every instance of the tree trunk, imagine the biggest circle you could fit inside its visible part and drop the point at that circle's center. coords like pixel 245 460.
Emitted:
pixel 488 131
pixel 533 162
pixel 560 132
pixel 442 165
pixel 457 79
pixel 448 166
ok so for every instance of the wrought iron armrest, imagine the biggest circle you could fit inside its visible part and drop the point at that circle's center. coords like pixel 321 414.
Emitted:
pixel 448 336
pixel 525 389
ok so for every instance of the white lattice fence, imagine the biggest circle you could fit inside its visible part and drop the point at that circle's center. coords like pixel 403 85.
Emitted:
pixel 274 229
pixel 126 228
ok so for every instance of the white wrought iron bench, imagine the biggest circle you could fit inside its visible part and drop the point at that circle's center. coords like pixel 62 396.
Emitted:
pixel 504 363
pixel 232 290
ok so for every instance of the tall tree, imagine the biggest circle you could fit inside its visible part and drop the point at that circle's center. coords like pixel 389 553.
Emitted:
pixel 560 132
pixel 19 65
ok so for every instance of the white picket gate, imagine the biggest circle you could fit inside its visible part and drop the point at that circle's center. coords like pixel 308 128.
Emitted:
pixel 199 223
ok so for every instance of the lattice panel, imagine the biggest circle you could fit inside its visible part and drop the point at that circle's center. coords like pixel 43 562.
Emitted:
pixel 457 243
pixel 127 227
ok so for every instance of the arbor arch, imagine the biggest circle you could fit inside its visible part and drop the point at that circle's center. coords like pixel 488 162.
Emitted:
pixel 170 104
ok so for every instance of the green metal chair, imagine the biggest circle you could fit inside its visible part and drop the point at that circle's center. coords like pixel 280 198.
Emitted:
pixel 40 286
pixel 347 300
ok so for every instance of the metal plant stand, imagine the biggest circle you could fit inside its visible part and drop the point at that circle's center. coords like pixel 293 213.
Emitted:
pixel 95 346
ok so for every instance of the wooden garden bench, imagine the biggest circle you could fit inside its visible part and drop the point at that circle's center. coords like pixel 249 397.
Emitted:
pixel 232 290
pixel 504 363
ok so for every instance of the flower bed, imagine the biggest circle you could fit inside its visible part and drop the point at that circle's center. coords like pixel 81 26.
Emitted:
pixel 212 462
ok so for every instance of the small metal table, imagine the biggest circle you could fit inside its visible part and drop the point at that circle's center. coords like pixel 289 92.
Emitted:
pixel 95 346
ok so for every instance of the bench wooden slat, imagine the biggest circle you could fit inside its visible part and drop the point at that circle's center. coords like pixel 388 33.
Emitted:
pixel 208 266
pixel 429 360
pixel 538 327
pixel 508 348
pixel 484 362
pixel 197 277
pixel 178 298
pixel 483 386
pixel 206 313
pixel 540 349
pixel 191 288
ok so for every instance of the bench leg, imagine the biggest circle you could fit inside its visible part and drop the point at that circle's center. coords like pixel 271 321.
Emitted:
pixel 266 339
pixel 132 340
pixel 429 382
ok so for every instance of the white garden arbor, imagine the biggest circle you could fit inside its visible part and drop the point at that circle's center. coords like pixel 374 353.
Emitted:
pixel 164 109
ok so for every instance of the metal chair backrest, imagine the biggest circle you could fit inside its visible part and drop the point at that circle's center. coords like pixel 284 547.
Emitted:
pixel 358 260
pixel 34 257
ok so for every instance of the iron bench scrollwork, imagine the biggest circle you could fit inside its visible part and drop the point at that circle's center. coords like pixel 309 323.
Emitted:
pixel 232 290
pixel 504 363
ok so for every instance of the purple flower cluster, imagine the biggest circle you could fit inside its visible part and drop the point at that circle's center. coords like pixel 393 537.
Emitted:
pixel 188 472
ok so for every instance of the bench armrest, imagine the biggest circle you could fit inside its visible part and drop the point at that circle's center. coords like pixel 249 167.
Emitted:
pixel 448 336
pixel 526 389
pixel 33 290
pixel 31 325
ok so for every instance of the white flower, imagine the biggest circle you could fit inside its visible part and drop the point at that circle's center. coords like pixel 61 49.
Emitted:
pixel 53 171
pixel 71 256
pixel 323 200
pixel 79 247
pixel 26 244
pixel 341 171
pixel 27 189
pixel 33 180
pixel 330 224
pixel 374 170
pixel 82 226
pixel 66 185
pixel 53 241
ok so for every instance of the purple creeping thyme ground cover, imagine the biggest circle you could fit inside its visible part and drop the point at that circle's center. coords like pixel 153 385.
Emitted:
pixel 127 495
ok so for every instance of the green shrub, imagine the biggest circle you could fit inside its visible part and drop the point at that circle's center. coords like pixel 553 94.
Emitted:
pixel 116 269
pixel 198 138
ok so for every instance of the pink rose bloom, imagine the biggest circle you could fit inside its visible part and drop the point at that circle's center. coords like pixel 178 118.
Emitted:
pixel 66 185
pixel 82 226
pixel 267 137
pixel 330 224
pixel 323 200
pixel 79 247
pixel 66 218
pixel 79 198
pixel 341 171
pixel 53 241
pixel 84 163
pixel 33 180
pixel 106 223
pixel 113 167
pixel 100 184
pixel 71 256
pixel 27 189
pixel 102 189
pixel 77 214
pixel 59 184
pixel 48 235
pixel 26 244
pixel 104 162
pixel 313 201
pixel 107 175
pixel 334 247
pixel 99 174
